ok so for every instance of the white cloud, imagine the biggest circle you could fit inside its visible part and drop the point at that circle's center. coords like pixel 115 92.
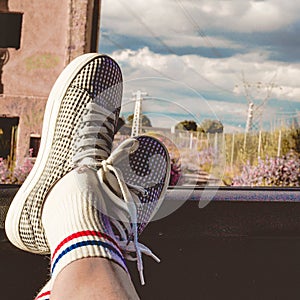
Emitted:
pixel 247 16
pixel 219 75
pixel 192 40
pixel 181 90
pixel 174 21
pixel 184 79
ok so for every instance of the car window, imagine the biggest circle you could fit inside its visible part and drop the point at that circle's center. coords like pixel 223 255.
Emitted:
pixel 216 81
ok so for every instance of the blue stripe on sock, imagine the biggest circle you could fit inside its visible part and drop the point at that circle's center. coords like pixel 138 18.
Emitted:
pixel 86 243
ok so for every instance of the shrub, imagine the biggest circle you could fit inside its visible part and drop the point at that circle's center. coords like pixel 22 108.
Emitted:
pixel 175 172
pixel 279 171
pixel 5 173
pixel 16 175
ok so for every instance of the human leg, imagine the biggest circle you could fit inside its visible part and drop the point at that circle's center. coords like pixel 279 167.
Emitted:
pixel 89 90
pixel 84 120
pixel 86 262
pixel 93 278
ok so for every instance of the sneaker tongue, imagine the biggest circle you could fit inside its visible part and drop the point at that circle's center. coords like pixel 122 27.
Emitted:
pixel 120 160
pixel 111 180
pixel 121 154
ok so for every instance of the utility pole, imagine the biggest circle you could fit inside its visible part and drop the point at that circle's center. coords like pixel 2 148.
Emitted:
pixel 257 102
pixel 249 123
pixel 137 117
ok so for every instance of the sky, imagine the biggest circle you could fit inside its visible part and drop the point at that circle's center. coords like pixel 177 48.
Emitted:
pixel 196 60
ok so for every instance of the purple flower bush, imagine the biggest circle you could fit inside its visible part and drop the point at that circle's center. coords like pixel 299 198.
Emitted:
pixel 279 171
pixel 15 175
pixel 175 172
pixel 5 173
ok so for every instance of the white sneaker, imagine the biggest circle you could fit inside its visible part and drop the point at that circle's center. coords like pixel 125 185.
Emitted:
pixel 84 101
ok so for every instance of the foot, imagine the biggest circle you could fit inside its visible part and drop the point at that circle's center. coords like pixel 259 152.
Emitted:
pixel 101 211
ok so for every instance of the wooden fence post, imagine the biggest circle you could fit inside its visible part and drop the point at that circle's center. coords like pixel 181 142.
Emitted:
pixel 259 144
pixel 279 144
pixel 232 151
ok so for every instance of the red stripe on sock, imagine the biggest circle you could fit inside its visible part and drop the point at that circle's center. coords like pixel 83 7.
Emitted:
pixel 85 233
pixel 42 295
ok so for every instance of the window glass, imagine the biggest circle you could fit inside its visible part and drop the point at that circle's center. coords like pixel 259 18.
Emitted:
pixel 34 144
pixel 8 135
pixel 216 81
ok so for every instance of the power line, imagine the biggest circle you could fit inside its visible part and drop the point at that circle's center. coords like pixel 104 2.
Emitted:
pixel 117 44
pixel 256 110
pixel 105 35
pixel 137 17
pixel 201 32
pixel 120 46
pixel 168 48
pixel 198 29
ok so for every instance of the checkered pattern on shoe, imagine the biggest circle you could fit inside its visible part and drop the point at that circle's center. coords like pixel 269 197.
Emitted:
pixel 145 166
pixel 133 182
pixel 99 81
pixel 149 168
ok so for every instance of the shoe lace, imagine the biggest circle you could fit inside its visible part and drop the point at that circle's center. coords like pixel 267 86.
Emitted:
pixel 92 148
pixel 127 202
pixel 94 139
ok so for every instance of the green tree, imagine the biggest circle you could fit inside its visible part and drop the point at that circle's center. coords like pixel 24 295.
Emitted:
pixel 188 125
pixel 212 126
pixel 145 120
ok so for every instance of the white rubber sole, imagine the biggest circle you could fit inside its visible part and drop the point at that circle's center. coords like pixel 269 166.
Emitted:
pixel 51 112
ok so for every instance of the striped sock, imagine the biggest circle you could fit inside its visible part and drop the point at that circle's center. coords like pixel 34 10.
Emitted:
pixel 45 292
pixel 73 225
